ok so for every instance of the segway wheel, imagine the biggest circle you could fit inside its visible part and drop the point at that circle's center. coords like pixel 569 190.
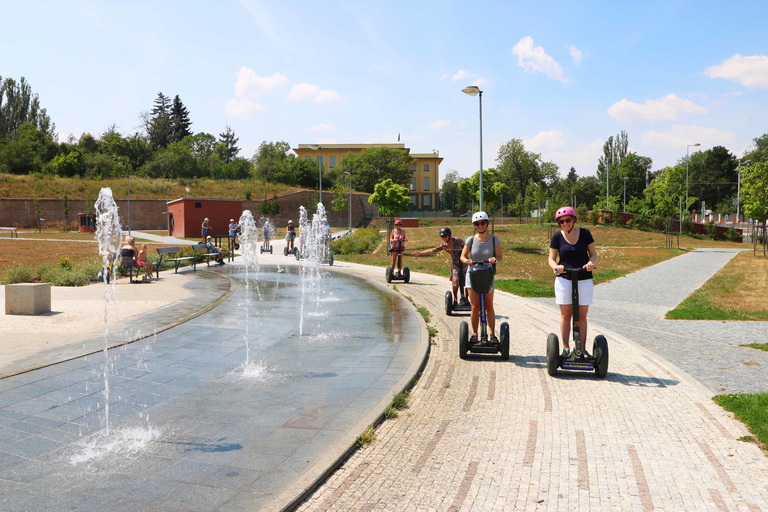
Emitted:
pixel 448 303
pixel 463 339
pixel 261 250
pixel 330 259
pixel 270 249
pixel 406 274
pixel 600 351
pixel 504 335
pixel 285 251
pixel 553 353
pixel 389 274
pixel 296 253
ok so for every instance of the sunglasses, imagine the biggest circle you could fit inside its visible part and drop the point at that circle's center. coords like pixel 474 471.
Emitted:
pixel 480 223
pixel 443 236
pixel 565 221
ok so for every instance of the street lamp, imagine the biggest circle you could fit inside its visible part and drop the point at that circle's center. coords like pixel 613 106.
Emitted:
pixel 129 204
pixel 315 147
pixel 738 189
pixel 347 173
pixel 686 174
pixel 625 193
pixel 474 90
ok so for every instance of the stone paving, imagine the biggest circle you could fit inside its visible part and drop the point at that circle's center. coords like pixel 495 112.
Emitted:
pixel 481 434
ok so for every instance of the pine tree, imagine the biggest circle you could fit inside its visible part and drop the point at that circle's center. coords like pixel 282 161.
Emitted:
pixel 180 122
pixel 159 126
pixel 227 145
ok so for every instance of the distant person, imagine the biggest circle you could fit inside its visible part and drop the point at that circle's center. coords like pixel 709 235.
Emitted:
pixel 290 235
pixel 325 236
pixel 204 231
pixel 141 260
pixel 575 248
pixel 216 250
pixel 232 231
pixel 397 245
pixel 266 234
pixel 129 249
pixel 453 246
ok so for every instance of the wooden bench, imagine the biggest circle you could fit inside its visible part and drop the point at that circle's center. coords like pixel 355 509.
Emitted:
pixel 163 251
pixel 12 231
pixel 208 255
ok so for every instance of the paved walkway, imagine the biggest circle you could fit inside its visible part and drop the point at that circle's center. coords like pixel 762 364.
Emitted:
pixel 710 351
pixel 482 434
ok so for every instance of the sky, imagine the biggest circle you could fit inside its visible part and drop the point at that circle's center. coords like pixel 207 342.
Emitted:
pixel 562 76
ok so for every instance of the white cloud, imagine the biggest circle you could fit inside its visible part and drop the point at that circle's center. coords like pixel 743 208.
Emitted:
pixel 312 92
pixel 679 136
pixel 464 74
pixel 250 85
pixel 242 109
pixel 440 124
pixel 576 54
pixel 669 108
pixel 543 141
pixel 323 127
pixel 751 71
pixel 536 60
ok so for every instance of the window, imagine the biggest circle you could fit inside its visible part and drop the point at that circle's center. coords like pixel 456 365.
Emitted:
pixel 333 161
pixel 413 201
pixel 413 167
pixel 198 205
pixel 413 183
pixel 425 200
pixel 426 183
pixel 426 167
pixel 307 159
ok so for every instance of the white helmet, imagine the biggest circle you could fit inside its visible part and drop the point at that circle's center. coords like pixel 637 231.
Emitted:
pixel 479 216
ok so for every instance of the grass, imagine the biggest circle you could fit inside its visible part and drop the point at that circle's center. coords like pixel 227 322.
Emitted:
pixel 366 438
pixel 400 401
pixel 759 346
pixel 750 409
pixel 735 292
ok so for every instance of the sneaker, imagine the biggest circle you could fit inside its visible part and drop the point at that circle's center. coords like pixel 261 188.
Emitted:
pixel 494 339
pixel 463 302
pixel 566 353
pixel 473 338
pixel 221 262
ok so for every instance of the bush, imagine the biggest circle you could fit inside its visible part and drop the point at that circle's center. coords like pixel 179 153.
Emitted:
pixel 58 274
pixel 582 212
pixel 658 223
pixel 687 226
pixel 360 242
pixel 593 216
pixel 19 274
pixel 711 230
pixel 641 222
pixel 732 235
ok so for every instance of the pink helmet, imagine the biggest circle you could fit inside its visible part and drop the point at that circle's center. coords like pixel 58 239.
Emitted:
pixel 565 210
pixel 398 222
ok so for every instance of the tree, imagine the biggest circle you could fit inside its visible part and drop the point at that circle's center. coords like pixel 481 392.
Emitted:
pixel 28 152
pixel 390 198
pixel 667 189
pixel 374 165
pixel 614 152
pixel 340 198
pixel 712 176
pixel 227 146
pixel 272 163
pixel 449 190
pixel 19 105
pixel 586 190
pixel 760 153
pixel 754 191
pixel 493 188
pixel 520 168
pixel 179 121
pixel 158 125
pixel 634 167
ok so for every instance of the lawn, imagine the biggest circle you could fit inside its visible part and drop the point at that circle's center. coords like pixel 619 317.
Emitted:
pixel 735 292
pixel 752 410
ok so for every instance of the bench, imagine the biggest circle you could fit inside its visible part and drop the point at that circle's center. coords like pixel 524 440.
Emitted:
pixel 164 251
pixel 127 262
pixel 12 231
pixel 207 255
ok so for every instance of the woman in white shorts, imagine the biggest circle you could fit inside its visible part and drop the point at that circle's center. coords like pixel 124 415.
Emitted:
pixel 575 248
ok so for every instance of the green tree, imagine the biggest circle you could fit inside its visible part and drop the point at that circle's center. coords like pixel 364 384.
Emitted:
pixel 18 105
pixel 158 125
pixel 493 188
pixel 666 191
pixel 65 205
pixel 67 165
pixel 340 201
pixel 373 165
pixel 227 146
pixel 28 152
pixel 389 198
pixel 520 168
pixel 615 150
pixel 449 190
pixel 712 176
pixel 633 167
pixel 179 121
pixel 754 191
pixel 272 163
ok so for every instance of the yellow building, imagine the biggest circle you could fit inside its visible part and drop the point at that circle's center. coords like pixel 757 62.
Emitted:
pixel 424 187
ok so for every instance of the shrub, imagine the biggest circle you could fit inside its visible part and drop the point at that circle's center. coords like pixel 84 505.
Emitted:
pixel 658 223
pixel 427 222
pixel 711 230
pixel 593 216
pixel 687 226
pixel 19 274
pixel 582 212
pixel 630 224
pixel 247 194
pixel 642 222
pixel 732 235
pixel 58 274
pixel 64 263
pixel 360 242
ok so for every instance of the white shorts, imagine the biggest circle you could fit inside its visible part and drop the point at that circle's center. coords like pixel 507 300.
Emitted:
pixel 563 291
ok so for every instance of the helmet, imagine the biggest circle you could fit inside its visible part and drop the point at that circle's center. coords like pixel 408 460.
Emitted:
pixel 290 222
pixel 208 237
pixel 479 216
pixel 565 210
pixel 445 232
pixel 398 222
pixel 231 220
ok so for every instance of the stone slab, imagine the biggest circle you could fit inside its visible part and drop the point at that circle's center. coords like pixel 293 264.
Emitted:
pixel 27 298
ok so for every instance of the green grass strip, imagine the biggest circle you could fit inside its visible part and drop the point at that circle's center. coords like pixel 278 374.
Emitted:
pixel 759 346
pixel 526 287
pixel 752 410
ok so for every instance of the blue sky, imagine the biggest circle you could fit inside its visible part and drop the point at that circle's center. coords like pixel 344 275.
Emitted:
pixel 561 75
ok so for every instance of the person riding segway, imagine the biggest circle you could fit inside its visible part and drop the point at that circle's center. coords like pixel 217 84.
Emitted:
pixel 290 236
pixel 575 249
pixel 396 248
pixel 453 246
pixel 481 252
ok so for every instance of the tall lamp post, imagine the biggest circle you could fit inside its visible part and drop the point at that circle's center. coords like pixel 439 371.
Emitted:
pixel 625 193
pixel 474 90
pixel 129 204
pixel 738 190
pixel 320 165
pixel 687 158
pixel 347 173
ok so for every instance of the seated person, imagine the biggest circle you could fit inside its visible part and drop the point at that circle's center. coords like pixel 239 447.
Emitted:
pixel 128 251
pixel 215 250
pixel 141 260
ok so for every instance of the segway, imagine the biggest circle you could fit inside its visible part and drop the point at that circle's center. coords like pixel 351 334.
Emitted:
pixel 263 250
pixel 393 275
pixel 463 306
pixel 481 275
pixel 576 359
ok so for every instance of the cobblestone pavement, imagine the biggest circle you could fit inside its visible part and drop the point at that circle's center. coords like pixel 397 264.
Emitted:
pixel 482 434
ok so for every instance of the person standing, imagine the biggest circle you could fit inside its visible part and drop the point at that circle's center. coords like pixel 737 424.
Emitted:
pixel 397 245
pixel 204 231
pixel 232 232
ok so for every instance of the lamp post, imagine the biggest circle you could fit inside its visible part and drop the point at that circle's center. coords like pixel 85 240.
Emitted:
pixel 625 193
pixel 320 165
pixel 474 90
pixel 129 204
pixel 347 173
pixel 607 184
pixel 686 174
pixel 738 190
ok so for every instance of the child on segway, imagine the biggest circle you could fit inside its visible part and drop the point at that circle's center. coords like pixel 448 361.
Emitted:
pixel 397 247
pixel 453 246
pixel 481 247
pixel 290 236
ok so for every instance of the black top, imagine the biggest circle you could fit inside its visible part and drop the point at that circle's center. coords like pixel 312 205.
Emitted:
pixel 573 256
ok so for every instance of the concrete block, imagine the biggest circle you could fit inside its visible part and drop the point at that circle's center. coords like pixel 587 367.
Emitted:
pixel 27 298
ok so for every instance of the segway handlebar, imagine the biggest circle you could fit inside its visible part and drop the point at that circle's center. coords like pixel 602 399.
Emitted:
pixel 577 270
pixel 485 263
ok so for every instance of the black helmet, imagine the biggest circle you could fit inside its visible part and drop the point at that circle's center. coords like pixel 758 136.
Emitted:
pixel 445 232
